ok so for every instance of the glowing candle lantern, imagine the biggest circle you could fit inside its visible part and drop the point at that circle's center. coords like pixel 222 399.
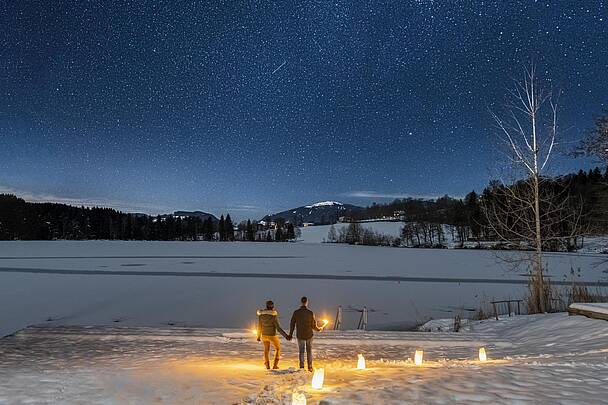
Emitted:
pixel 482 354
pixel 418 357
pixel 298 398
pixel 360 362
pixel 254 332
pixel 325 322
pixel 317 379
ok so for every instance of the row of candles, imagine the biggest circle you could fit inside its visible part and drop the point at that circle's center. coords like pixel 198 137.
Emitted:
pixel 298 398
pixel 319 374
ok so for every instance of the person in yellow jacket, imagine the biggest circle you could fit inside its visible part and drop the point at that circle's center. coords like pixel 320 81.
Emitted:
pixel 268 326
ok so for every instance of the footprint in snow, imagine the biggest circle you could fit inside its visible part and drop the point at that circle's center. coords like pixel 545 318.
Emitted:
pixel 289 370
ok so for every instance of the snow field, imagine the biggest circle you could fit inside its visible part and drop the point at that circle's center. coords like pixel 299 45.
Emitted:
pixel 532 359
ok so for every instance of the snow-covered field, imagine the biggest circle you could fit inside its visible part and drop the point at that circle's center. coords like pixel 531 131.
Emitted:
pixel 221 284
pixel 548 359
pixel 318 233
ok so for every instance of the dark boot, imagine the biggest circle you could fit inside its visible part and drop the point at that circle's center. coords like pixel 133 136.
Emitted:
pixel 267 365
pixel 276 365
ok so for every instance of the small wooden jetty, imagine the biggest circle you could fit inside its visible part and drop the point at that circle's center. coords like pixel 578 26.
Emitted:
pixel 590 310
pixel 506 307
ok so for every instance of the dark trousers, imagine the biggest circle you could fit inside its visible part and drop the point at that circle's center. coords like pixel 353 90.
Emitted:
pixel 305 344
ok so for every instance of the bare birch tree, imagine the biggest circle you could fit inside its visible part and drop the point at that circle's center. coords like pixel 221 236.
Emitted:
pixel 529 128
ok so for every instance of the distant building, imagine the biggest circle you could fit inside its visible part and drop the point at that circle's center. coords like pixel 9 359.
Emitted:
pixel 308 224
pixel 345 219
pixel 399 215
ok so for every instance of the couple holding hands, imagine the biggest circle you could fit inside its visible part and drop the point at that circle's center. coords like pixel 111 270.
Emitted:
pixel 302 320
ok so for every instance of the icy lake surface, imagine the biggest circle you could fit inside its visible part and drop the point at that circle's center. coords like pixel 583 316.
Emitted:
pixel 221 284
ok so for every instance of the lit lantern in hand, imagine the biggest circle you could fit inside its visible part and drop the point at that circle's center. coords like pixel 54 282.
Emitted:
pixel 360 362
pixel 317 379
pixel 482 354
pixel 254 332
pixel 418 357
pixel 298 398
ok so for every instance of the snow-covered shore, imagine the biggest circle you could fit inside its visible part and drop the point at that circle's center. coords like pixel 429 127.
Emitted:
pixel 533 359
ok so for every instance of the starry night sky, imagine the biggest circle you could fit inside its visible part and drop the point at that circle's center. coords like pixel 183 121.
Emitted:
pixel 259 106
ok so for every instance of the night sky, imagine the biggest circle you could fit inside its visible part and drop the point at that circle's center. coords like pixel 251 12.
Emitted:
pixel 259 106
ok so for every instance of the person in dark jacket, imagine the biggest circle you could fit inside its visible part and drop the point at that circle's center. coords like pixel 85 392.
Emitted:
pixel 268 325
pixel 303 320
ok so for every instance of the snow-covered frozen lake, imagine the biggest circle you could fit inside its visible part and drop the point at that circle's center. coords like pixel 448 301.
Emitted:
pixel 221 284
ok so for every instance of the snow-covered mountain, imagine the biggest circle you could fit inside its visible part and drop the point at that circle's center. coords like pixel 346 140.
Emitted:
pixel 323 212
pixel 324 204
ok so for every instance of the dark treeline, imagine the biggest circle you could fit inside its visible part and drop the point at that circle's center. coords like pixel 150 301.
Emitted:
pixel 466 219
pixel 47 221
pixel 582 195
pixel 24 220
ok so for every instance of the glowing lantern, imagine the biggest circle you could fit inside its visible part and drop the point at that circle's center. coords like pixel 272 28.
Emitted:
pixel 325 322
pixel 317 379
pixel 418 357
pixel 360 362
pixel 298 398
pixel 482 354
pixel 254 332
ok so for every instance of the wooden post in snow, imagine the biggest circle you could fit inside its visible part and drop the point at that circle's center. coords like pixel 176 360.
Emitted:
pixel 338 322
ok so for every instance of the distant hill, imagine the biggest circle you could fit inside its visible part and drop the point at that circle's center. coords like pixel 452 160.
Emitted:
pixel 192 214
pixel 321 213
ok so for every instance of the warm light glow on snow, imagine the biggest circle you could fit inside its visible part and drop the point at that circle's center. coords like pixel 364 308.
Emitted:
pixel 298 398
pixel 360 362
pixel 418 357
pixel 482 354
pixel 317 378
pixel 254 331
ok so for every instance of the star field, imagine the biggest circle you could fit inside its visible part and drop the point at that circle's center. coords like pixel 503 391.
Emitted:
pixel 258 106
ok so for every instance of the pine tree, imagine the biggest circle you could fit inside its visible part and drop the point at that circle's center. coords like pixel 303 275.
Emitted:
pixel 221 228
pixel 249 234
pixel 229 229
pixel 208 229
pixel 473 212
pixel 291 234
